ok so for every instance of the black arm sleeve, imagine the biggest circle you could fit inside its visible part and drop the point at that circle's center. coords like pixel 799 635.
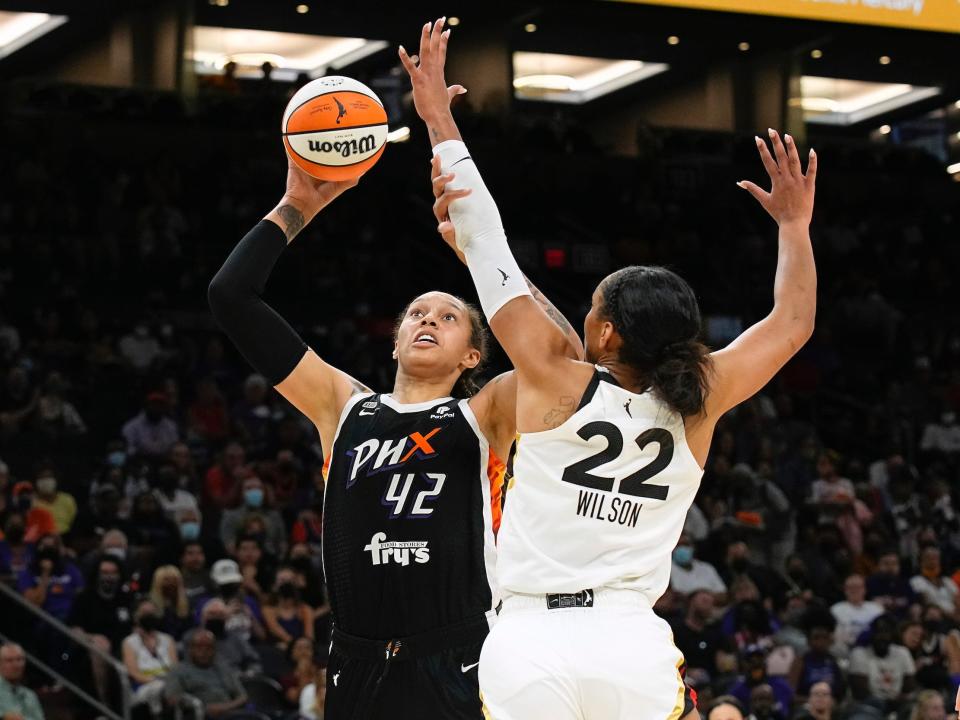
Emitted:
pixel 260 334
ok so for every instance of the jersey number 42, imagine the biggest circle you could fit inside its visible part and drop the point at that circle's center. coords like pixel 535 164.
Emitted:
pixel 634 484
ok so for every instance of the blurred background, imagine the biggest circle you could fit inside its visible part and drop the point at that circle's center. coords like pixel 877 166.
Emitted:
pixel 151 485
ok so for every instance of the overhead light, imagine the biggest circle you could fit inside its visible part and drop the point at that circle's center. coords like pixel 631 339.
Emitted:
pixel 453 21
pixel 885 129
pixel 530 27
pixel 401 134
pixel 18 29
pixel 744 46
pixel 816 54
pixel 303 9
pixel 673 40
pixel 885 60
pixel 953 169
pixel 575 79
pixel 833 101
pixel 290 53
pixel 957 104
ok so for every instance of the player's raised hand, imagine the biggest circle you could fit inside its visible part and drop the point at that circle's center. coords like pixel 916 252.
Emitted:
pixel 791 194
pixel 431 96
pixel 443 196
pixel 310 195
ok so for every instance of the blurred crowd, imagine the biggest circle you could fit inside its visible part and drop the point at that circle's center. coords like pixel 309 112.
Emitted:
pixel 165 504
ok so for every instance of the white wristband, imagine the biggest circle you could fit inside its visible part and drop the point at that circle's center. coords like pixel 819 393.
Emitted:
pixel 480 234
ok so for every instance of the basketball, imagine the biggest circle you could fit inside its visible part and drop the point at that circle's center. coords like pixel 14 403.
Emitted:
pixel 334 128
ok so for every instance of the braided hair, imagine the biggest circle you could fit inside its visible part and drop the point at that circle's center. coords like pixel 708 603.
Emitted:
pixel 467 385
pixel 656 314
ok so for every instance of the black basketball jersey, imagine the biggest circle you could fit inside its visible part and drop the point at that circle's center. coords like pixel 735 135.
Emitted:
pixel 410 512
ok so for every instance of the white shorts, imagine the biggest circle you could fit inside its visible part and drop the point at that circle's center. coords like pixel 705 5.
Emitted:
pixel 613 661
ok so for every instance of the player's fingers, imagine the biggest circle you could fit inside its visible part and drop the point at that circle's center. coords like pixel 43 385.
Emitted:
pixel 793 159
pixel 455 90
pixel 445 227
pixel 436 35
pixel 778 150
pixel 440 183
pixel 759 193
pixel 812 167
pixel 434 166
pixel 441 208
pixel 442 48
pixel 408 64
pixel 425 41
pixel 768 162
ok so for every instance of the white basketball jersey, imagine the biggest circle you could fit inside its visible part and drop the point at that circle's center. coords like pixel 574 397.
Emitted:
pixel 599 501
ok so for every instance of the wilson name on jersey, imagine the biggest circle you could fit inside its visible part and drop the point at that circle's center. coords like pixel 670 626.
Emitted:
pixel 599 501
pixel 410 511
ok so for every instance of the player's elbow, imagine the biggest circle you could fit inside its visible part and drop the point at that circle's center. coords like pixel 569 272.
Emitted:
pixel 220 295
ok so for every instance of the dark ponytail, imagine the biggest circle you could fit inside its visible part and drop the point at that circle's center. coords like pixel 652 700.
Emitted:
pixel 656 314
pixel 467 384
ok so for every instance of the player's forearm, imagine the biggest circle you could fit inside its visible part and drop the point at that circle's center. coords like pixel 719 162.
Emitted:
pixel 573 339
pixel 290 216
pixel 442 128
pixel 263 337
pixel 795 286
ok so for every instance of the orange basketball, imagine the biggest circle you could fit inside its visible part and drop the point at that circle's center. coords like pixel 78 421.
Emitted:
pixel 335 128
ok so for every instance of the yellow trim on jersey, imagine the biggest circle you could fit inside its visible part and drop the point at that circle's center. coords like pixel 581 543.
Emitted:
pixel 681 703
pixel 483 708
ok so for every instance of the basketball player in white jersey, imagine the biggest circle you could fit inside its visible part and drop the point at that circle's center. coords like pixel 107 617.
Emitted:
pixel 610 451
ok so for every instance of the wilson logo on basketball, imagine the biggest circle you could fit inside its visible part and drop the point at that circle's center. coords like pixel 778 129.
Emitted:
pixel 345 148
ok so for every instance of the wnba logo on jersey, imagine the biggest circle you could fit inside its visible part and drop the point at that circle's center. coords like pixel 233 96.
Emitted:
pixel 382 551
pixel 390 453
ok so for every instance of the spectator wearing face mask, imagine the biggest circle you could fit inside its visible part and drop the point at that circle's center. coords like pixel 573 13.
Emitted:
pixel 245 616
pixel 51 582
pixel 61 505
pixel 173 499
pixel 102 615
pixel 286 616
pixel 254 503
pixel 233 649
pixel 932 585
pixel 148 655
pixel 881 671
pixel 152 528
pixel 688 574
pixel 39 521
pixel 196 577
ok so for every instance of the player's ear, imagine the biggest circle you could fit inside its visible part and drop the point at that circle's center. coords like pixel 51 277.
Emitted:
pixel 609 339
pixel 470 359
pixel 396 353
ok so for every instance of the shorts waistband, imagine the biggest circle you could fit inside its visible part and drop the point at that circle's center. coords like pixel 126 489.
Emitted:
pixel 466 632
pixel 587 598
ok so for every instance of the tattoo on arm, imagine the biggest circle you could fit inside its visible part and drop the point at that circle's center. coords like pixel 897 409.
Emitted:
pixel 293 219
pixel 434 134
pixel 548 307
pixel 561 413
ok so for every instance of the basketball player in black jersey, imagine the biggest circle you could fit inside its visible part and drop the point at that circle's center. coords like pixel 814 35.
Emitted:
pixel 411 501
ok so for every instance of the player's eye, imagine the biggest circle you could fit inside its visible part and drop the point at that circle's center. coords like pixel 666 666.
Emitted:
pixel 416 313
pixel 449 316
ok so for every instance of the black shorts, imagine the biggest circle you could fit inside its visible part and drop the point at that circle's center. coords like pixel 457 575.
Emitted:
pixel 427 677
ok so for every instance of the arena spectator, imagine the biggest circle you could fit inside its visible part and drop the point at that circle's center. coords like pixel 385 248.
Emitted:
pixel 51 581
pixel 151 527
pixel 754 675
pixel 196 578
pixel 881 671
pixel 15 552
pixel 764 704
pixel 203 676
pixel 139 348
pixel 314 695
pixel 854 614
pixel 169 599
pixel 286 616
pixel 55 418
pixel 254 504
pixel 253 416
pixel 929 705
pixel 932 585
pixel 94 523
pixel 151 434
pixel 689 574
pixel 245 616
pixel 301 657
pixel 233 648
pixel 818 665
pixel 942 437
pixel 725 707
pixel 173 498
pixel 61 505
pixel 698 636
pixel 223 479
pixel 39 521
pixel 887 587
pixel 148 655
pixel 819 705
pixel 182 461
pixel 207 417
pixel 17 702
